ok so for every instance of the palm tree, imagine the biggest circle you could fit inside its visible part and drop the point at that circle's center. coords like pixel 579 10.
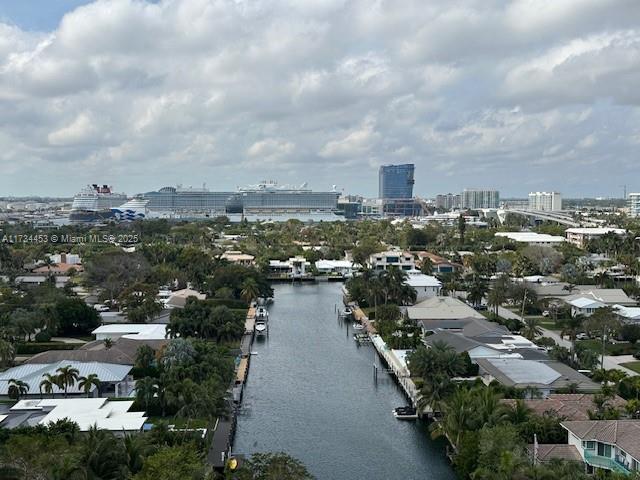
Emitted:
pixel 146 390
pixel 86 383
pixel 7 353
pixel 108 343
pixel 48 383
pixel 17 388
pixel 435 390
pixel 250 289
pixel 519 413
pixel 458 411
pixel 68 377
pixel 531 329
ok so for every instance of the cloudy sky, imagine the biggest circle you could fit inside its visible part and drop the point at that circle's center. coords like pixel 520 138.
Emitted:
pixel 518 95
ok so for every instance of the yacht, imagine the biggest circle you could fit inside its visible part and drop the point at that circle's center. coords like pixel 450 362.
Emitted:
pixel 405 413
pixel 261 327
pixel 262 312
pixel 358 326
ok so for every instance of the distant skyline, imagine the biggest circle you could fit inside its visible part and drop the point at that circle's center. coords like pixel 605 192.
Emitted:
pixel 516 95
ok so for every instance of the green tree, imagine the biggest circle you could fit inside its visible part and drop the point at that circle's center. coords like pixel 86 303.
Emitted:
pixel 173 463
pixel 17 389
pixel 87 383
pixel 250 289
pixel 272 466
pixel 67 377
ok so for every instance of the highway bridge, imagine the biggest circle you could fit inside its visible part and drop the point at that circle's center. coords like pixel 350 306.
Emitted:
pixel 562 218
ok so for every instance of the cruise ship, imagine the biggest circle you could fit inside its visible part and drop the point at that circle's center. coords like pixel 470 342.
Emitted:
pixel 94 203
pixel 262 202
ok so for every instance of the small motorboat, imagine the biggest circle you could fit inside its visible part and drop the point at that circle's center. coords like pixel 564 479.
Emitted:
pixel 358 326
pixel 262 312
pixel 261 328
pixel 405 413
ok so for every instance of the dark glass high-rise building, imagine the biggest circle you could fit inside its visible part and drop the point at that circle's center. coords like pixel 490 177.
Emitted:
pixel 396 181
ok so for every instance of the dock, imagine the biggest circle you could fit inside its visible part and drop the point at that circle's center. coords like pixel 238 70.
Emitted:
pixel 225 427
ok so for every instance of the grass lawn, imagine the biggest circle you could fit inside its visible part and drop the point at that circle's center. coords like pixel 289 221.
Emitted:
pixel 635 366
pixel 610 348
pixel 181 422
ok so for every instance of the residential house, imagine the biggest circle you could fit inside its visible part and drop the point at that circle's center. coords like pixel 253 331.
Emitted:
pixel 86 412
pixel 114 378
pixel 612 445
pixel 545 376
pixel 439 264
pixel 426 286
pixel 178 299
pixel 294 267
pixel 134 331
pixel 569 406
pixel 441 308
pixel 238 258
pixel 337 268
pixel 581 236
pixel 392 258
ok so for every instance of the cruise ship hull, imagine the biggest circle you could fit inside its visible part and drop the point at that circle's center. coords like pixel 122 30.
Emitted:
pixel 78 216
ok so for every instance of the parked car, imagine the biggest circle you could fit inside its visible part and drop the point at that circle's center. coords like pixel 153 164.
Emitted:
pixel 101 308
pixel 545 313
pixel 582 336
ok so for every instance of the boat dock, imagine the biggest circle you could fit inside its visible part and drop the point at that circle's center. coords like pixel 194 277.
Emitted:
pixel 225 427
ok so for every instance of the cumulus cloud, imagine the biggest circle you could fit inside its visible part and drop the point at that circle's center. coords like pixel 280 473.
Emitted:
pixel 143 94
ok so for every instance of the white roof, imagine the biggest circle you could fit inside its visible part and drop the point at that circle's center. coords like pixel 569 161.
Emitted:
pixel 421 280
pixel 329 264
pixel 86 412
pixel 531 237
pixel 134 331
pixel 32 374
pixel 584 302
pixel 632 313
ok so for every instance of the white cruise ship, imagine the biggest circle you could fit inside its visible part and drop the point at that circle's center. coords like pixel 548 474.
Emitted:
pixel 94 203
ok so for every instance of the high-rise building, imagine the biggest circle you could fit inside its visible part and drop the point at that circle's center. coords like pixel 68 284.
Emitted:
pixel 545 201
pixel 396 181
pixel 448 201
pixel 634 204
pixel 478 198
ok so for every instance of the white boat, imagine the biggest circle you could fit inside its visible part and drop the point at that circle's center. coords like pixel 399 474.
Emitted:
pixel 261 328
pixel 262 312
pixel 405 413
pixel 346 313
pixel 358 326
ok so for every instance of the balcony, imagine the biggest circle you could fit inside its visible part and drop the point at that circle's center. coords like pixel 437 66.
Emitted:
pixel 607 463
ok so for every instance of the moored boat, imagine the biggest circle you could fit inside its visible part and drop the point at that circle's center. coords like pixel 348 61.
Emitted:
pixel 405 413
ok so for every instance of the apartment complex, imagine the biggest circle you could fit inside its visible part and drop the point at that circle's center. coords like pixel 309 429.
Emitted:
pixel 448 201
pixel 396 181
pixel 545 201
pixel 477 198
pixel 634 204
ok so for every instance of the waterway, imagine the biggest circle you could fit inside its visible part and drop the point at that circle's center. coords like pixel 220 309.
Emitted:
pixel 311 393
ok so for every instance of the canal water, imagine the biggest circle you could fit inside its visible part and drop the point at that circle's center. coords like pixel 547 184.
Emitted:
pixel 311 393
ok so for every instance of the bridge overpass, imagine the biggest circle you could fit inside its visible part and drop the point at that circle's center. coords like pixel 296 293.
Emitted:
pixel 558 217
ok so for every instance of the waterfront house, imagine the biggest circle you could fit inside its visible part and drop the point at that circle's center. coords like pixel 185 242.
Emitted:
pixel 337 268
pixel 294 267
pixel 392 258
pixel 546 376
pixel 585 306
pixel 612 445
pixel 114 378
pixel 86 412
pixel 569 406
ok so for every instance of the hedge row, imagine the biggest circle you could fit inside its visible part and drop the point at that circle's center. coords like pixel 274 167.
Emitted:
pixel 33 348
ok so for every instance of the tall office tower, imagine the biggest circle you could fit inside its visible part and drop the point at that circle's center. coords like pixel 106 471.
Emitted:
pixel 634 204
pixel 396 181
pixel 545 201
pixel 448 201
pixel 477 198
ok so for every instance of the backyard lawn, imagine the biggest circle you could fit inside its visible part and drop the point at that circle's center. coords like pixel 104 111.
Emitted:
pixel 635 366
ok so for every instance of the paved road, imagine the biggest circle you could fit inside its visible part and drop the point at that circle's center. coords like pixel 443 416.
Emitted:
pixel 610 362
pixel 68 340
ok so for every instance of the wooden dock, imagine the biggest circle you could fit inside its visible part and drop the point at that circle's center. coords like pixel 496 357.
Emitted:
pixel 225 428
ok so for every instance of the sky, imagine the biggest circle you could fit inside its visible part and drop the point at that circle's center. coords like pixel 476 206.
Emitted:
pixel 518 95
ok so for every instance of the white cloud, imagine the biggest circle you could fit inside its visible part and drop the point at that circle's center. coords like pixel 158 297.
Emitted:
pixel 188 91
